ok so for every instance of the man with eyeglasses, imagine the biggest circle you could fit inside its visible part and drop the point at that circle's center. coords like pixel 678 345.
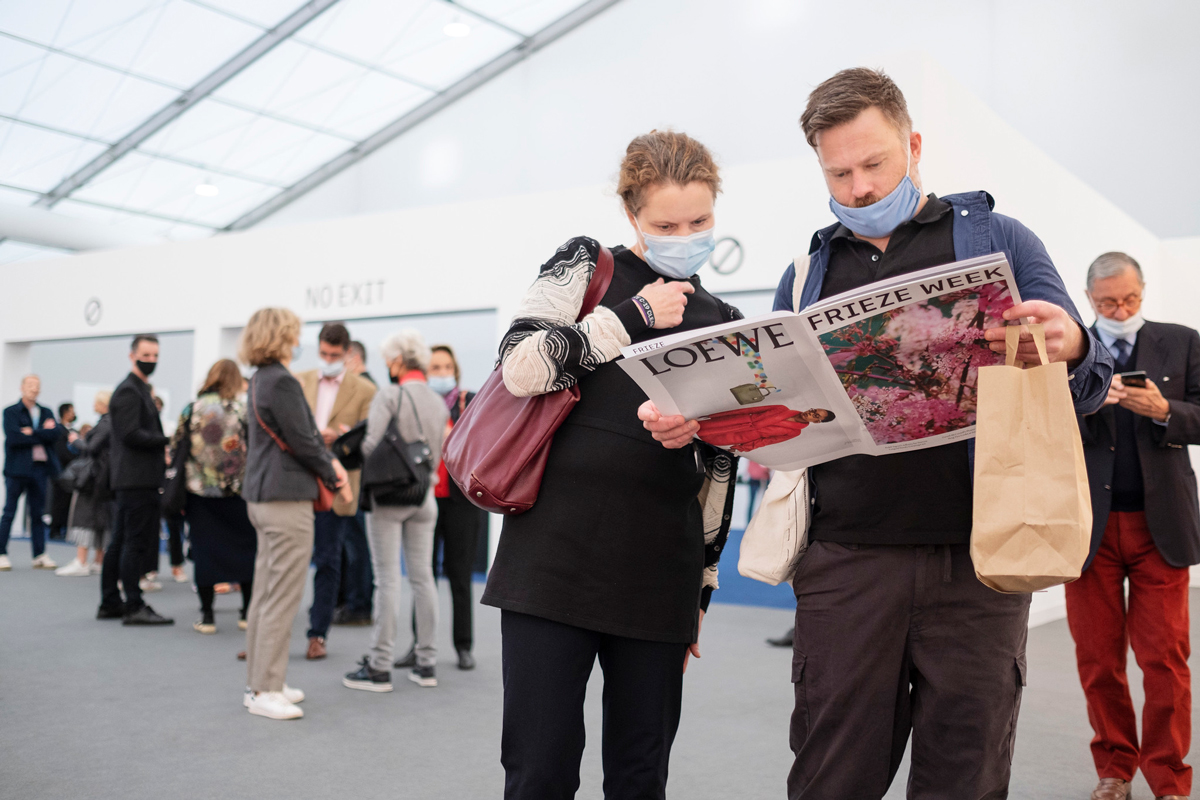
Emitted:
pixel 1146 530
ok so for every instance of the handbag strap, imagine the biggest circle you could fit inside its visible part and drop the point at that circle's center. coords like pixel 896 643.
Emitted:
pixel 598 285
pixel 254 404
pixel 416 415
pixel 801 276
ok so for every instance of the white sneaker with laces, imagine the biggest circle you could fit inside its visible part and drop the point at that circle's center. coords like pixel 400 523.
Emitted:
pixel 294 696
pixel 44 562
pixel 5 564
pixel 148 586
pixel 76 569
pixel 274 705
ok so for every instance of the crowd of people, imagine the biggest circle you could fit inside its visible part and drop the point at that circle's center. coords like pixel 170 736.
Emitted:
pixel 617 560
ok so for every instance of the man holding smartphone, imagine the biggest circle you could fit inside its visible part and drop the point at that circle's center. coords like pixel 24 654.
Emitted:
pixel 1146 529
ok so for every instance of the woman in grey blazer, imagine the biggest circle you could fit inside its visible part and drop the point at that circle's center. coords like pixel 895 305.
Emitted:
pixel 285 458
pixel 419 413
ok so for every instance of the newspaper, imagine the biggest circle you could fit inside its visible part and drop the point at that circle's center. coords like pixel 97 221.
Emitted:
pixel 886 368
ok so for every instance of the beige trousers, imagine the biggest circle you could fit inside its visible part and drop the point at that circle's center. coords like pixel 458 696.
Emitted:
pixel 285 543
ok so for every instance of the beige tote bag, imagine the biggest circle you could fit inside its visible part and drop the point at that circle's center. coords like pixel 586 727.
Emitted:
pixel 1032 509
pixel 777 536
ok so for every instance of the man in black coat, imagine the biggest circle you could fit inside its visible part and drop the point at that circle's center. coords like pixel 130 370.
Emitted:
pixel 30 432
pixel 1146 530
pixel 137 468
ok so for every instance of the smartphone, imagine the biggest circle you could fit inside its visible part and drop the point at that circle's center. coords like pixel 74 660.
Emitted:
pixel 1137 379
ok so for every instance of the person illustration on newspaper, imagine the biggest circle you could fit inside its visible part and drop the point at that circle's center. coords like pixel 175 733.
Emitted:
pixel 746 429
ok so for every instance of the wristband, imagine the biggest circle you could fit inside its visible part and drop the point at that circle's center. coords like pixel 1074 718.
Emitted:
pixel 647 311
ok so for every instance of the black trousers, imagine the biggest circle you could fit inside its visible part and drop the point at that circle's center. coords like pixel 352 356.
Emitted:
pixel 134 541
pixel 898 639
pixel 546 666
pixel 458 529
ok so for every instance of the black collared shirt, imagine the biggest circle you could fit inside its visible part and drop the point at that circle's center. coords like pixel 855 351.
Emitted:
pixel 920 497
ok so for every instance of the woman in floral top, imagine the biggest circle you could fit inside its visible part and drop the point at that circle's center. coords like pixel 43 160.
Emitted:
pixel 223 539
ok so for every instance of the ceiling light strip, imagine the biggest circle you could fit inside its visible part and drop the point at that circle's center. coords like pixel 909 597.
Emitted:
pixel 179 105
pixel 456 91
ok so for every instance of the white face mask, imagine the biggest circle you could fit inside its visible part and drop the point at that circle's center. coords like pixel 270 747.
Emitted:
pixel 332 369
pixel 1118 329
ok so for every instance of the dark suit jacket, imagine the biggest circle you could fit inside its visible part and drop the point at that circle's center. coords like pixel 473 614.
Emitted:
pixel 18 447
pixel 138 457
pixel 272 474
pixel 1170 356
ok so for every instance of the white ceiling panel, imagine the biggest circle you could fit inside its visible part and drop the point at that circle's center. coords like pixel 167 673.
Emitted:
pixel 139 182
pixel 133 223
pixel 226 138
pixel 265 13
pixel 37 159
pixel 81 98
pixel 526 16
pixel 18 252
pixel 176 42
pixel 298 82
pixel 17 197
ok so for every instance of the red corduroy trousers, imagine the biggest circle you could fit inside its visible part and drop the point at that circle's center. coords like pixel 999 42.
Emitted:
pixel 1155 622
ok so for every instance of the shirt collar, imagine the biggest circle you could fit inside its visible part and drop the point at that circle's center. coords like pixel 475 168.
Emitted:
pixel 934 210
pixel 337 379
pixel 413 375
pixel 1109 341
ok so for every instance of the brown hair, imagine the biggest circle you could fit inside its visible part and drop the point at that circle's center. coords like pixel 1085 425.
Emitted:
pixel 224 378
pixel 660 157
pixel 269 336
pixel 335 333
pixel 847 94
pixel 448 350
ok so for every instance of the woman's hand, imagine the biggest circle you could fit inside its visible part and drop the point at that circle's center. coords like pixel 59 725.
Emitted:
pixel 345 494
pixel 667 300
pixel 674 432
pixel 694 647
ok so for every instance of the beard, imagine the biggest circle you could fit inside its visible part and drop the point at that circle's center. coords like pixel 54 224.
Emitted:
pixel 869 200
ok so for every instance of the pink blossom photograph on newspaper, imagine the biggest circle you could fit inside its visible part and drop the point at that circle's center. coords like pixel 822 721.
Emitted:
pixel 912 372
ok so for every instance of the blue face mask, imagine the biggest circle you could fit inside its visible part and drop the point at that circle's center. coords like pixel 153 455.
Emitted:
pixel 678 257
pixel 442 384
pixel 880 219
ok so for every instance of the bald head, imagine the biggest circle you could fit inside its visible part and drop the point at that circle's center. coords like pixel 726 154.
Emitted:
pixel 31 387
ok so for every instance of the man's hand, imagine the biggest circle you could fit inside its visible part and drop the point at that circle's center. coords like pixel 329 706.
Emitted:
pixel 49 424
pixel 1116 391
pixel 694 647
pixel 72 437
pixel 667 300
pixel 674 432
pixel 27 431
pixel 345 494
pixel 329 435
pixel 1064 338
pixel 1147 402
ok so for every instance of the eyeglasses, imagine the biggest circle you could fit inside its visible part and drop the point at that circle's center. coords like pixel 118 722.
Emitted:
pixel 1131 304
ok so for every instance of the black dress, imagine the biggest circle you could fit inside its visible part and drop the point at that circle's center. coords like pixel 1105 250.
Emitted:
pixel 615 542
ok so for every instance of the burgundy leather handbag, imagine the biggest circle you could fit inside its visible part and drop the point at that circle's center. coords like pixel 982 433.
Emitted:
pixel 497 450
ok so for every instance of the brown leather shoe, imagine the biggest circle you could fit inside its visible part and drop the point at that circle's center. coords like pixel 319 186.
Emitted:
pixel 1111 789
pixel 316 650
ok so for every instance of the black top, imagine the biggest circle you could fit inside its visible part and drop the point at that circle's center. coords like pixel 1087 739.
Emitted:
pixel 139 447
pixel 919 497
pixel 615 542
pixel 1128 492
pixel 455 494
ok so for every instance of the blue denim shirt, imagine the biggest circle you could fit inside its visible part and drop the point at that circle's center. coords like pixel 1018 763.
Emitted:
pixel 980 232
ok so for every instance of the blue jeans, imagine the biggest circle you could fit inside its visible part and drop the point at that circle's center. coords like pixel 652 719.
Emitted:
pixel 34 489
pixel 329 534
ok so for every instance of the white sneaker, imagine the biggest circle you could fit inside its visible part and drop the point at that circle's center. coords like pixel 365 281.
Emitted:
pixel 180 576
pixel 5 564
pixel 293 696
pixel 95 569
pixel 44 562
pixel 76 569
pixel 147 585
pixel 274 705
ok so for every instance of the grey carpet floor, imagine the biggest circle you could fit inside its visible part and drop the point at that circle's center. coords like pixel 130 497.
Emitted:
pixel 91 709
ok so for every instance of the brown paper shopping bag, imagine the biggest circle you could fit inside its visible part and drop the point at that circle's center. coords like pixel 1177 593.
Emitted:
pixel 1032 510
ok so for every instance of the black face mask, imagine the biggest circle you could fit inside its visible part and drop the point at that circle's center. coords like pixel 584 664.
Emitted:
pixel 393 378
pixel 147 367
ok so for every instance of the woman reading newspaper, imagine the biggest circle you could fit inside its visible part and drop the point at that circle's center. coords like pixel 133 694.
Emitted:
pixel 617 559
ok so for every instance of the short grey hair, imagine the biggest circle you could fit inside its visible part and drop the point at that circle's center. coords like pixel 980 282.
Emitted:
pixel 1109 265
pixel 408 344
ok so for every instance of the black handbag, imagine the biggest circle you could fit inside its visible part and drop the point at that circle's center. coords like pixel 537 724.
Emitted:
pixel 174 499
pixel 78 476
pixel 398 472
pixel 347 448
